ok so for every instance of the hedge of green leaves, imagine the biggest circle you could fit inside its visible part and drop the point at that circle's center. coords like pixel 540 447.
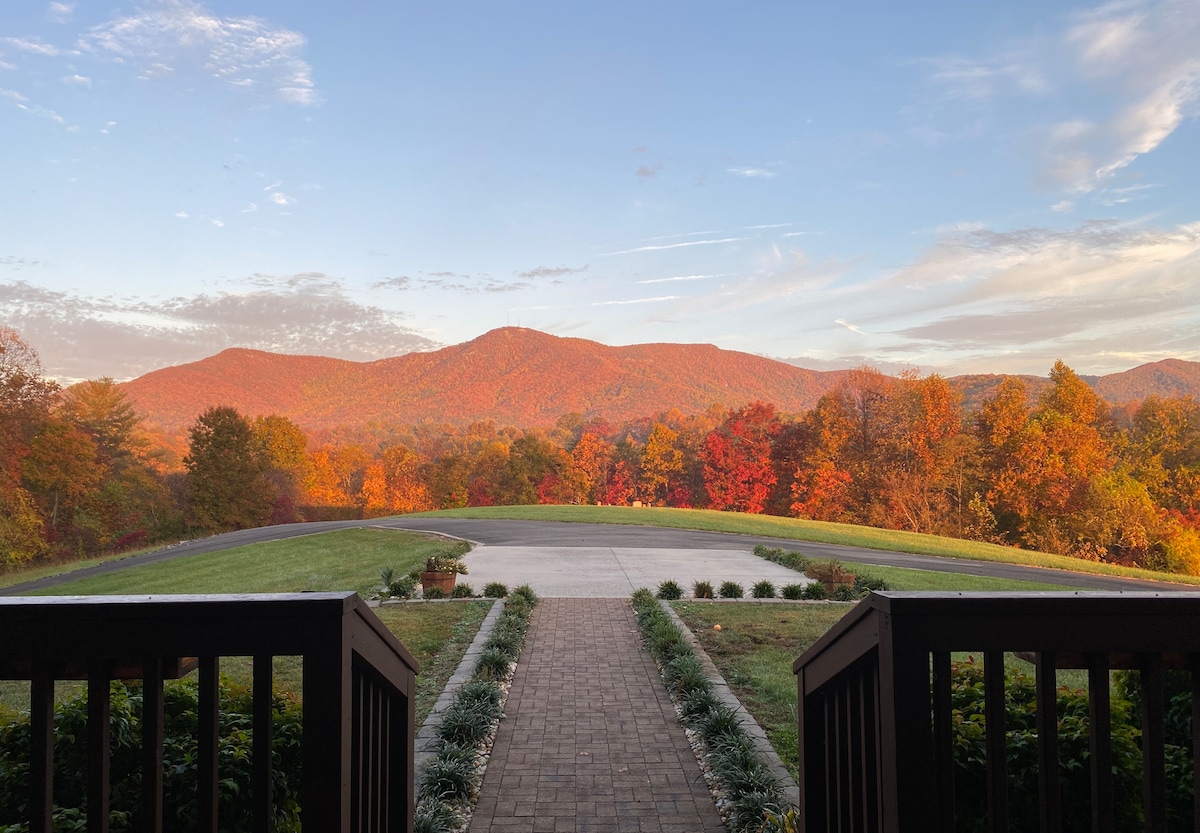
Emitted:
pixel 179 761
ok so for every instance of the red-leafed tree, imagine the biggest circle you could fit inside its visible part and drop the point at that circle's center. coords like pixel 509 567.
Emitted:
pixel 738 472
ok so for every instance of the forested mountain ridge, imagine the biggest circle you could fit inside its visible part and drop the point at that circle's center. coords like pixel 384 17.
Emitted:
pixel 523 377
pixel 511 375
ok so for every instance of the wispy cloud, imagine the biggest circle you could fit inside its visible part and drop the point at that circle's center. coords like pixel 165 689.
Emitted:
pixel 240 51
pixel 280 198
pixel 60 12
pixel 656 300
pixel 854 328
pixel 770 225
pixel 218 222
pixel 682 278
pixel 647 171
pixel 751 172
pixel 34 46
pixel 182 215
pixel 552 271
pixel 251 208
pixel 12 95
pixel 675 246
pixel 77 80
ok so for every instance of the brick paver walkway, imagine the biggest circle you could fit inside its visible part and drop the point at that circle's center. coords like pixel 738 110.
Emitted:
pixel 590 741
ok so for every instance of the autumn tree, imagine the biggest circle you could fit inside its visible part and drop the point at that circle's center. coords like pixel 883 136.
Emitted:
pixel 738 471
pixel 661 464
pixel 392 484
pixel 283 446
pixel 227 485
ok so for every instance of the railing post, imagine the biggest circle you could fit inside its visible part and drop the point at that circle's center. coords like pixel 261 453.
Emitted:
pixel 1049 782
pixel 905 732
pixel 152 745
pixel 1100 743
pixel 207 721
pixel 41 753
pixel 325 796
pixel 99 761
pixel 261 755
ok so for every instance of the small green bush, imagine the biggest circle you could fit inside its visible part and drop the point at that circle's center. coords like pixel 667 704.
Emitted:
pixel 670 590
pixel 702 590
pixel 763 590
pixel 462 590
pixel 844 593
pixel 867 583
pixel 448 778
pixel 493 664
pixel 792 591
pixel 731 590
pixel 432 593
pixel 495 590
pixel 815 591
pixel 525 592
pixel 684 674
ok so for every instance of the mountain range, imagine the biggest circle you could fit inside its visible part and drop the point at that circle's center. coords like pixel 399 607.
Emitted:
pixel 527 378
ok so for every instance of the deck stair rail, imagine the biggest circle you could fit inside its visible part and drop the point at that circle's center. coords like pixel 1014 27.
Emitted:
pixel 875 713
pixel 358 684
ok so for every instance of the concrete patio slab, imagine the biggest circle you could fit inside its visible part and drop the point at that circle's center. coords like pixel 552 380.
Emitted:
pixel 607 572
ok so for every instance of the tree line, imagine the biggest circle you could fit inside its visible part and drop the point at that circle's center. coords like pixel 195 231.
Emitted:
pixel 1061 472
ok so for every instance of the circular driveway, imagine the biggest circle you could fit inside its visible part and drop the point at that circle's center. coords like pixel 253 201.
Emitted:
pixel 540 537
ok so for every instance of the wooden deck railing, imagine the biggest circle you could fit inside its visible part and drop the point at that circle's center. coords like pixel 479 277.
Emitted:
pixel 875 714
pixel 358 685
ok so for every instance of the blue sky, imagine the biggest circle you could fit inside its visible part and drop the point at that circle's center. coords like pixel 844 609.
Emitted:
pixel 956 187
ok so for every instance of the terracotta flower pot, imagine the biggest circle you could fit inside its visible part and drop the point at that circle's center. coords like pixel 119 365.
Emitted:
pixel 439 581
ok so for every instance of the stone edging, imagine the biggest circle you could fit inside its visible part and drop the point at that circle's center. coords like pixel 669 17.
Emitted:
pixel 725 695
pixel 427 735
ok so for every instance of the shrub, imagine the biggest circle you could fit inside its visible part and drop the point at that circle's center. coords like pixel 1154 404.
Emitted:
pixel 495 590
pixel 684 674
pixel 844 593
pixel 670 590
pixel 434 816
pixel 432 593
pixel 790 559
pixel 526 593
pixel 792 591
pixel 702 590
pixel 815 590
pixel 462 590
pixel 493 664
pixel 394 586
pixel 697 703
pixel 731 590
pixel 865 583
pixel 763 590
pixel 448 777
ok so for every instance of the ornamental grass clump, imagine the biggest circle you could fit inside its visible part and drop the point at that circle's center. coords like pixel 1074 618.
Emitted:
pixel 495 590
pixel 670 590
pixel 731 590
pixel 763 590
pixel 462 590
pixel 815 591
pixel 702 590
pixel 793 591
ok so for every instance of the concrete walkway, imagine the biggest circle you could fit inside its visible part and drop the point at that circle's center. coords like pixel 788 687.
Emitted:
pixel 590 741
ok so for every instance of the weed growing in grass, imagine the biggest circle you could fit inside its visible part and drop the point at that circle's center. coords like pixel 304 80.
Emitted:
pixel 763 590
pixel 731 590
pixel 792 591
pixel 702 590
pixel 495 590
pixel 670 590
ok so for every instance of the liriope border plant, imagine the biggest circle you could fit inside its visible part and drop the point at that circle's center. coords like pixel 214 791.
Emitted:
pixel 450 781
pixel 756 798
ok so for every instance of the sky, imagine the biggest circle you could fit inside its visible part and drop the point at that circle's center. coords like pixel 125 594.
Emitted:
pixel 955 187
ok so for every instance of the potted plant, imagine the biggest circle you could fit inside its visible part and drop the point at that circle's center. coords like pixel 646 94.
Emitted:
pixel 441 571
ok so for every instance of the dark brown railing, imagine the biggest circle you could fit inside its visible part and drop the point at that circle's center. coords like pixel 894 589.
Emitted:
pixel 875 717
pixel 357 736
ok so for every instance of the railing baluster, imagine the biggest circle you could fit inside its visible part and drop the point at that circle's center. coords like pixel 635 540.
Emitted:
pixel 41 753
pixel 842 750
pixel 1049 782
pixel 1194 667
pixel 1100 744
pixel 994 708
pixel 98 745
pixel 358 755
pixel 872 753
pixel 152 745
pixel 854 761
pixel 261 755
pixel 208 728
pixel 943 739
pixel 1154 775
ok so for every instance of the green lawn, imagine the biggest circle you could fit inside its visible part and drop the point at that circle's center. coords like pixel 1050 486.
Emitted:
pixel 803 530
pixel 902 578
pixel 344 560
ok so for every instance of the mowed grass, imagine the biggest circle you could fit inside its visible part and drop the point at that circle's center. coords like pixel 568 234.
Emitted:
pixel 347 559
pixel 796 529
pixel 754 651
pixel 902 578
